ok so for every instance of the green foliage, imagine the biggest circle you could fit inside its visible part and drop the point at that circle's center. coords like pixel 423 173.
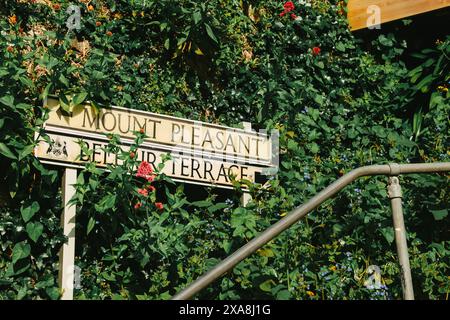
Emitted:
pixel 223 62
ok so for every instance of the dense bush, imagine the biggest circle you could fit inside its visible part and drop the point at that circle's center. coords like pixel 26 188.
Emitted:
pixel 301 71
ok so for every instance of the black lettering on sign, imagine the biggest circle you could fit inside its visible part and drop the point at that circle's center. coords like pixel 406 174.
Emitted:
pixel 95 147
pixel 91 122
pixel 184 166
pixel 207 170
pixel 207 139
pixel 84 157
pixel 105 121
pixel 152 132
pixel 121 122
pixel 246 146
pixel 139 125
pixel 243 175
pixel 175 130
pixel 151 158
pixel 195 136
pixel 222 173
pixel 230 142
pixel 231 172
pixel 220 136
pixel 195 165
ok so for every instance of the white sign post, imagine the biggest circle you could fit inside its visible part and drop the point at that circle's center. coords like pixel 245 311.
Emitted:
pixel 67 252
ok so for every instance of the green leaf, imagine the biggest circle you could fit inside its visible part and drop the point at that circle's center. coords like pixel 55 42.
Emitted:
pixel 283 295
pixel 63 80
pixel 319 99
pixel 210 33
pixel 266 286
pixel 8 101
pixel 106 203
pixel 34 230
pixel 20 251
pixel 64 103
pixel 90 225
pixel 53 293
pixel 46 91
pixel 6 151
pixel 201 204
pixel 28 212
pixel 26 151
pixel 21 293
pixel 216 207
pixel 79 98
pixel 340 46
pixel 439 214
pixel 388 233
pixel 197 17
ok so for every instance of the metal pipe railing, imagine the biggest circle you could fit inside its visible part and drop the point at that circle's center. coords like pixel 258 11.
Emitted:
pixel 298 213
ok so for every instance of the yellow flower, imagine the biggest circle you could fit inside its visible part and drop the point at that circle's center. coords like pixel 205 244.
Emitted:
pixel 12 19
pixel 333 268
pixel 310 293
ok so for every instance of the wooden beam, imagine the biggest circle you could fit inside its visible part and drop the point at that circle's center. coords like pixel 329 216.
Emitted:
pixel 360 16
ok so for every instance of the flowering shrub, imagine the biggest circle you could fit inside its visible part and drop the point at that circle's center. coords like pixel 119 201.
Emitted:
pixel 293 66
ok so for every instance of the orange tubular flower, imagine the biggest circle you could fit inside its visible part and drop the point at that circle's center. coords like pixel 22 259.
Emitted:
pixel 13 19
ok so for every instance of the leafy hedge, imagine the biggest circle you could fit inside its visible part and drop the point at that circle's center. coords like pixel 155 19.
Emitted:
pixel 299 70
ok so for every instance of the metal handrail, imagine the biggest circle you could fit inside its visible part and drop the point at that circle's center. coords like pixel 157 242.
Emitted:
pixel 298 213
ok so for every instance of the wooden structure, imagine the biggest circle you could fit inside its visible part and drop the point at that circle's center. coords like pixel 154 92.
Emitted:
pixel 367 13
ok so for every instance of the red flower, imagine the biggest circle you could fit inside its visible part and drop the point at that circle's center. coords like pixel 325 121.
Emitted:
pixel 159 205
pixel 145 170
pixel 289 6
pixel 293 16
pixel 144 192
pixel 132 154
pixel 151 188
pixel 316 51
pixel 137 205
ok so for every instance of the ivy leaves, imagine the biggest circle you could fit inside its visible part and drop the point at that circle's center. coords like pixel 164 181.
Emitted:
pixel 20 251
pixel 29 210
pixel 34 229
